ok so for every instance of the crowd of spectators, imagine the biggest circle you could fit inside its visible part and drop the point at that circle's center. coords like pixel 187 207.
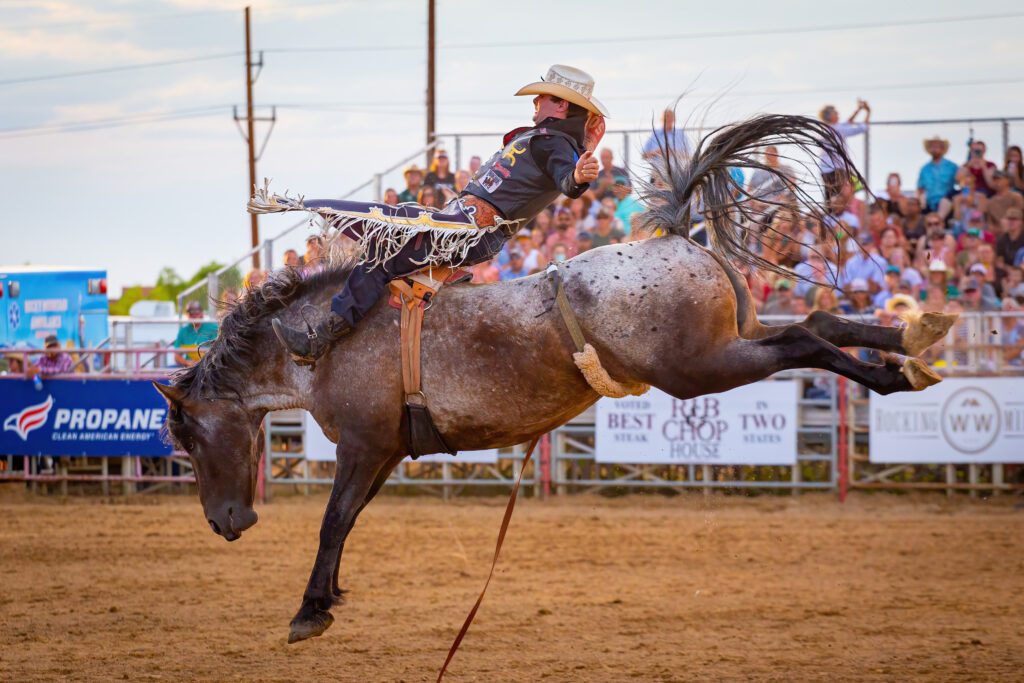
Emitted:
pixel 52 361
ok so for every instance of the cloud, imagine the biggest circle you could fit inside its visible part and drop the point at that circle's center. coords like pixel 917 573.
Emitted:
pixel 77 48
pixel 207 88
pixel 72 32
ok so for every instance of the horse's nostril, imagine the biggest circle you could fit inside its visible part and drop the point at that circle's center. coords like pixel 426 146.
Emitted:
pixel 230 510
pixel 213 525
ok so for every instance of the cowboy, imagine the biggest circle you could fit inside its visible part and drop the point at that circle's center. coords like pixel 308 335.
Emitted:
pixel 413 181
pixel 937 177
pixel 537 164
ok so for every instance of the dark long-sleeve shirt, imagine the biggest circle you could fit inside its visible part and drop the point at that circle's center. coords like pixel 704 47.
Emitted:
pixel 557 157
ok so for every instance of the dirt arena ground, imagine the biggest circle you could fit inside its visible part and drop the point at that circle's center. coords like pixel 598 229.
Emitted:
pixel 589 589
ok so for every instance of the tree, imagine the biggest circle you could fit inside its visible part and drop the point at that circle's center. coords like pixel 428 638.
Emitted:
pixel 169 285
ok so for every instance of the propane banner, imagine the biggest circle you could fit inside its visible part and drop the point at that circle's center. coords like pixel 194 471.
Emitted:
pixel 81 417
pixel 961 420
pixel 751 425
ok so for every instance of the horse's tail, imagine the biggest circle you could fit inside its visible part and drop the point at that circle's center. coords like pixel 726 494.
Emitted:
pixel 681 187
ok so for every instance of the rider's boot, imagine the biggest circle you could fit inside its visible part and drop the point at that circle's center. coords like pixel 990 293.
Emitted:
pixel 306 346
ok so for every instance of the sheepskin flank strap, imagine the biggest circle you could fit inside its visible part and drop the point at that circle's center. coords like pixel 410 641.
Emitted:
pixel 586 357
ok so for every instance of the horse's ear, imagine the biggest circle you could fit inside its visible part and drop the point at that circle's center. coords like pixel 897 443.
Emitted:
pixel 173 394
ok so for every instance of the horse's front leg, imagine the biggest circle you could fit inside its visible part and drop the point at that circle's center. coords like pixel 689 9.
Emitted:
pixel 353 480
pixel 378 484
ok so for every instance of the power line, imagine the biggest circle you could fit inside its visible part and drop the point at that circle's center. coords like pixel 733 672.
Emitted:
pixel 384 104
pixel 396 108
pixel 145 18
pixel 116 69
pixel 659 37
pixel 478 46
pixel 112 121
pixel 85 125
pixel 115 20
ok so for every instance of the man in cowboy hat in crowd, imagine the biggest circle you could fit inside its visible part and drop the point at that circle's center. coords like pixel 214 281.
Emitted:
pixel 537 164
pixel 413 182
pixel 937 177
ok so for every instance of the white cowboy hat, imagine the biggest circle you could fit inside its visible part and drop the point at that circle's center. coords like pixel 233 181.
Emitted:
pixel 900 300
pixel 568 83
pixel 942 141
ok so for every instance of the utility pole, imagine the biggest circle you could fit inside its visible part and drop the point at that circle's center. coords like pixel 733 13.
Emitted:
pixel 254 223
pixel 249 133
pixel 430 78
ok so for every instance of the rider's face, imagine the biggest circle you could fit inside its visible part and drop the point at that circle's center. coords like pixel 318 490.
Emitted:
pixel 545 106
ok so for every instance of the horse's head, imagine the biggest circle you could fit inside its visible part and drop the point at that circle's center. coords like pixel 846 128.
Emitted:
pixel 223 442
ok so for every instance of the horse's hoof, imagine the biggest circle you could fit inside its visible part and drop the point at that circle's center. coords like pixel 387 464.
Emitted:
pixel 311 625
pixel 919 374
pixel 924 329
pixel 339 595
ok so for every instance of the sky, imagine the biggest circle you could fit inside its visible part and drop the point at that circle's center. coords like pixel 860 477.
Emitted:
pixel 134 169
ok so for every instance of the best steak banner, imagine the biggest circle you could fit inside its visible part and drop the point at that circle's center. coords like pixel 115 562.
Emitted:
pixel 751 425
pixel 961 420
pixel 81 417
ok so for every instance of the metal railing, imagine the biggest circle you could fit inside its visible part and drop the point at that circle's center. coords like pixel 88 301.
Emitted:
pixel 627 151
pixel 832 434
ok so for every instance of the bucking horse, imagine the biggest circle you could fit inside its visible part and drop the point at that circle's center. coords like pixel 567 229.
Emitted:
pixel 498 358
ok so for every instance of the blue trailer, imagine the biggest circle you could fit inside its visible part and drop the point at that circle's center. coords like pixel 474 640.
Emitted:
pixel 38 301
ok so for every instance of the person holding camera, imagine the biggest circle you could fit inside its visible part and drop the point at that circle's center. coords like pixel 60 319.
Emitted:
pixel 981 168
pixel 838 189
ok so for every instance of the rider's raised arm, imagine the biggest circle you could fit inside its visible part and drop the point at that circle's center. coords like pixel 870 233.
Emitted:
pixel 558 159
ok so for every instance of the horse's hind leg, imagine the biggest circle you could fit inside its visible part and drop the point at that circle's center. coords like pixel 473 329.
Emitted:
pixel 922 330
pixel 744 361
pixel 382 477
pixel 353 480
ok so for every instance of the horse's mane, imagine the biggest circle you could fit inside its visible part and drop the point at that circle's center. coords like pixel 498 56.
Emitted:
pixel 230 356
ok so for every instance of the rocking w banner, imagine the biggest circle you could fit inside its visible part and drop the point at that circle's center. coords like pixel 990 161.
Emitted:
pixel 961 420
pixel 751 425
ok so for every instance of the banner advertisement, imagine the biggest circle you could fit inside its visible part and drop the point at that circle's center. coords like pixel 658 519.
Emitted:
pixel 82 417
pixel 751 425
pixel 319 447
pixel 961 420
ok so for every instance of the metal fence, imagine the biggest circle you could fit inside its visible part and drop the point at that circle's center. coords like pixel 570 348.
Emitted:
pixel 832 439
pixel 870 155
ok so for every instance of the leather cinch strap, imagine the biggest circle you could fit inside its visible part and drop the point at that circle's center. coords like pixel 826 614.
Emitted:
pixel 494 562
pixel 565 308
pixel 411 325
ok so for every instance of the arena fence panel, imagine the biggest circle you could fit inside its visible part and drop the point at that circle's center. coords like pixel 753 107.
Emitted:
pixel 833 437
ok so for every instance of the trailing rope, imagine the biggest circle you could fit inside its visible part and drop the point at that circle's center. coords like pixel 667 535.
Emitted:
pixel 494 562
